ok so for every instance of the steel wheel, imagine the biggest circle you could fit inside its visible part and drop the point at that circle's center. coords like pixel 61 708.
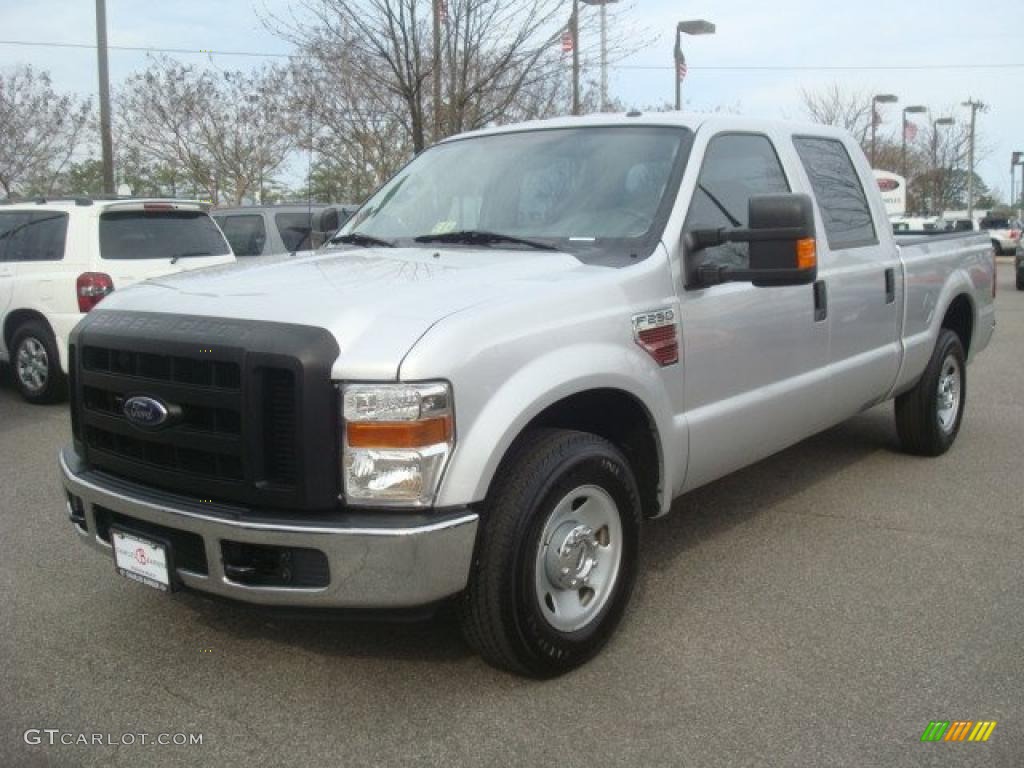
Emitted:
pixel 578 558
pixel 32 364
pixel 950 387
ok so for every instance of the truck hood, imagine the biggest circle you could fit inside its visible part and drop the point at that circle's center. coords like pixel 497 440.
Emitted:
pixel 376 302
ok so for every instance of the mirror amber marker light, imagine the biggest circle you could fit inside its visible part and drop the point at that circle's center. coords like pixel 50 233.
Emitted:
pixel 806 253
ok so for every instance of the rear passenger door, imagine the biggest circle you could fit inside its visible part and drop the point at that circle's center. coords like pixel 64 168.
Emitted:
pixel 861 273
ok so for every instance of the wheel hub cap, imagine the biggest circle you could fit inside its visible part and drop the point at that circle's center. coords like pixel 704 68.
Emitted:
pixel 578 558
pixel 32 364
pixel 570 563
pixel 948 395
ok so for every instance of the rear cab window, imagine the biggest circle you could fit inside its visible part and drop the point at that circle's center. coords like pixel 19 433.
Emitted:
pixel 246 232
pixel 135 234
pixel 32 235
pixel 840 194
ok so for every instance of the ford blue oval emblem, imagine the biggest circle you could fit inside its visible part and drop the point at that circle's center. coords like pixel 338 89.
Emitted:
pixel 146 412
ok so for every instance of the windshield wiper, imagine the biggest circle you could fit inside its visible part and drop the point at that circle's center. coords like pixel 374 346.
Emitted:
pixel 481 237
pixel 187 254
pixel 358 238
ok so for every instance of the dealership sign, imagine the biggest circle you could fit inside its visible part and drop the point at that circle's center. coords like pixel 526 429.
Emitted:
pixel 894 192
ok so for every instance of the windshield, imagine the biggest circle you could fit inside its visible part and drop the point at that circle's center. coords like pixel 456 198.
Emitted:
pixel 585 190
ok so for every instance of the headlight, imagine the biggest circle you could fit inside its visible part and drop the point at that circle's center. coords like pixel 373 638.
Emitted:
pixel 397 441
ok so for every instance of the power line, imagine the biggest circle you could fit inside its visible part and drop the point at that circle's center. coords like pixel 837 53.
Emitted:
pixel 709 68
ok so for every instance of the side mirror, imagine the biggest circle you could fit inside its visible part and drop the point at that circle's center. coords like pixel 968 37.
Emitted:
pixel 783 250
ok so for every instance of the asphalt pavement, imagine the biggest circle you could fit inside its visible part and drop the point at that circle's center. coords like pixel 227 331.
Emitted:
pixel 819 608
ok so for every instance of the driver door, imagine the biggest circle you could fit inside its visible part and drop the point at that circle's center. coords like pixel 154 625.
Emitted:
pixel 755 359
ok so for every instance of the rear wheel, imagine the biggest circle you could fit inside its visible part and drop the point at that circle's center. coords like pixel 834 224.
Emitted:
pixel 557 556
pixel 36 364
pixel 997 248
pixel 928 417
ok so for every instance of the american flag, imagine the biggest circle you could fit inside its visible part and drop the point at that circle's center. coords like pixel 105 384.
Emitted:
pixel 567 35
pixel 567 41
pixel 680 62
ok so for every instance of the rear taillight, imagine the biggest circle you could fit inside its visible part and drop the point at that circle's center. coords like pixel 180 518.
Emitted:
pixel 91 287
pixel 1015 234
pixel 657 334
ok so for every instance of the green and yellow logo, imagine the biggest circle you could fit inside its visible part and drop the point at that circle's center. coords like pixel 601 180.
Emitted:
pixel 958 730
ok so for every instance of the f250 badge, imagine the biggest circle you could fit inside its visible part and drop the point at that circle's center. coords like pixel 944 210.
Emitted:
pixel 656 318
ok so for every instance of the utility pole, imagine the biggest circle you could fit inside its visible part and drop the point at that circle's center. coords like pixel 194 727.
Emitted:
pixel 437 69
pixel 975 107
pixel 574 32
pixel 106 141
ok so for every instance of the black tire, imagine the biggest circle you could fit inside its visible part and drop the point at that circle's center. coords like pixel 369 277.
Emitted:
pixel 35 335
pixel 501 614
pixel 918 420
pixel 997 248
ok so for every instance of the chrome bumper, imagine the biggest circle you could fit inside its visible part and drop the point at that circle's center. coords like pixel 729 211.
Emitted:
pixel 371 566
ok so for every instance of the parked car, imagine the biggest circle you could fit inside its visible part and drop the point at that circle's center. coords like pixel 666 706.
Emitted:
pixel 901 224
pixel 1004 235
pixel 263 230
pixel 530 340
pixel 59 258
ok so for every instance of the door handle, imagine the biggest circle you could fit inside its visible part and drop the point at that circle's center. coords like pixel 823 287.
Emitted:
pixel 890 285
pixel 820 301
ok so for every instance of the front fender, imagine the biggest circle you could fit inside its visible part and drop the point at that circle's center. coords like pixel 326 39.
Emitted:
pixel 485 435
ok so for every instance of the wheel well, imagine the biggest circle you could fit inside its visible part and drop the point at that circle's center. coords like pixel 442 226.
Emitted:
pixel 622 420
pixel 16 319
pixel 960 319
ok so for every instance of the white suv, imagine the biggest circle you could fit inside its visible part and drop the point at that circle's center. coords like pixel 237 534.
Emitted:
pixel 59 258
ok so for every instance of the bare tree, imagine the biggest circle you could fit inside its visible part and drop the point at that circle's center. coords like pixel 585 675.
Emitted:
pixel 40 130
pixel 832 105
pixel 227 131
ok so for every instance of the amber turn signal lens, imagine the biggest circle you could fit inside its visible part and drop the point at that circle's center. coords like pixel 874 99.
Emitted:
pixel 399 434
pixel 806 253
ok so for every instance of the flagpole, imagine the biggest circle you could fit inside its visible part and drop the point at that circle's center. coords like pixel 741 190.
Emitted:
pixel 574 31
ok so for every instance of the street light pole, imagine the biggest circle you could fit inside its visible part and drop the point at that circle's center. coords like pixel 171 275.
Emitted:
pixel 604 48
pixel 106 142
pixel 881 98
pixel 692 27
pixel 975 107
pixel 916 109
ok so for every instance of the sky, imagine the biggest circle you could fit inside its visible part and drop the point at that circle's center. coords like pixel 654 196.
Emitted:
pixel 872 46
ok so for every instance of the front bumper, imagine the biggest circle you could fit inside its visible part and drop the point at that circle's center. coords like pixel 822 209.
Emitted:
pixel 374 561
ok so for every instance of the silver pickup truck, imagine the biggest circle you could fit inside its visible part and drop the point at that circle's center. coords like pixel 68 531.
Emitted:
pixel 527 343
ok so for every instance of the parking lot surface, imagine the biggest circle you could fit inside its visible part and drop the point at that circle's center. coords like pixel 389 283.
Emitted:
pixel 818 608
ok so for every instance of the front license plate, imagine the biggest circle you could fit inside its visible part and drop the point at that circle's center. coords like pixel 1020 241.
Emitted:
pixel 141 560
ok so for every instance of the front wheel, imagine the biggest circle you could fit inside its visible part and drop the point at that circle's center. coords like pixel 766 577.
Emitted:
pixel 928 417
pixel 557 556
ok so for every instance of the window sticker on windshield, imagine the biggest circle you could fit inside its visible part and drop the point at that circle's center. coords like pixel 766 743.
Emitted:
pixel 443 226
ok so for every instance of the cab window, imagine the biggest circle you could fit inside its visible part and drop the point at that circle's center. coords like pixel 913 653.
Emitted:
pixel 736 167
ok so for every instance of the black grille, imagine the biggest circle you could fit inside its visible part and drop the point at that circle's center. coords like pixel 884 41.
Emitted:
pixel 279 418
pixel 252 409
pixel 179 370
